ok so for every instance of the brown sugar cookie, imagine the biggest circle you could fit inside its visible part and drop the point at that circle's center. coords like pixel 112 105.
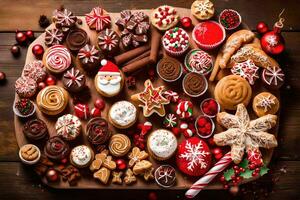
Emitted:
pixel 129 177
pixel 203 9
pixel 231 91
pixel 102 175
pixel 265 103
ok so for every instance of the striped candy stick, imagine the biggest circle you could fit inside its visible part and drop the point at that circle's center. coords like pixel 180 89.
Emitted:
pixel 220 166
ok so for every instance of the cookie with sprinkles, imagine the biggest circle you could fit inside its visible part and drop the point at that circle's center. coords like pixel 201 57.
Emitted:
pixel 98 19
pixel 164 17
pixel 108 41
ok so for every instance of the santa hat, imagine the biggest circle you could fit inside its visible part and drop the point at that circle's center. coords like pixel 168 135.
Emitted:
pixel 108 68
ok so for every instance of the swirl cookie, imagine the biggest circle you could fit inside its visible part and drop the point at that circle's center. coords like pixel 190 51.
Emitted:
pixel 119 145
pixel 76 39
pixel 56 148
pixel 97 131
pixel 122 114
pixel 52 100
pixel 231 91
pixel 57 59
pixel 35 130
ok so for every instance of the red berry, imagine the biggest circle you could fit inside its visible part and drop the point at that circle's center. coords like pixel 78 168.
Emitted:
pixel 236 167
pixel 242 169
pixel 257 170
pixel 237 172
pixel 175 131
pixel 50 80
pixel 216 151
pixel 222 178
pixel 201 121
pixel 238 179
pixel 218 156
pixel 226 186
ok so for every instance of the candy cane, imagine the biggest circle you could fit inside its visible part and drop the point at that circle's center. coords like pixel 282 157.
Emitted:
pixel 220 166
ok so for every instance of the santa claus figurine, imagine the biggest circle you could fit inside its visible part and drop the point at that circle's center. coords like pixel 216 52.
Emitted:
pixel 109 79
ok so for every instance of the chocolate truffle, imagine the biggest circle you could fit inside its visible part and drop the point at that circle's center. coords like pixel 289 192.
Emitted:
pixel 273 77
pixel 73 80
pixel 165 176
pixel 53 36
pixel 56 148
pixel 108 41
pixel 89 57
pixel 35 130
pixel 169 69
pixel 76 39
pixel 97 131
pixel 194 84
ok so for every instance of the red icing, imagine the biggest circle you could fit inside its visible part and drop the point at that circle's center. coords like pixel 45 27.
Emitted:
pixel 209 33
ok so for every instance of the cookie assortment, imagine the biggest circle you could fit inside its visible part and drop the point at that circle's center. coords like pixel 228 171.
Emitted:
pixel 120 121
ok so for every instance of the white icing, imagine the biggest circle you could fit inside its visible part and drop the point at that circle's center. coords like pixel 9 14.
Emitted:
pixel 109 84
pixel 123 113
pixel 81 155
pixel 162 143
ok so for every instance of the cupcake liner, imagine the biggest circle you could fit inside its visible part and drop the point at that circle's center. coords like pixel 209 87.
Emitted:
pixel 207 46
pixel 198 95
pixel 187 65
pixel 210 116
pixel 212 127
pixel 32 162
pixel 17 112
pixel 181 72
pixel 234 12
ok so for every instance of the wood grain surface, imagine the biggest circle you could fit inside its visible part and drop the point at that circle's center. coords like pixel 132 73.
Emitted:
pixel 19 182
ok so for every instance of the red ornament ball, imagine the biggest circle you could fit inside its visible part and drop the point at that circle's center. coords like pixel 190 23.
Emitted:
pixel 2 77
pixel 152 196
pixel 21 37
pixel 95 112
pixel 38 50
pixel 99 103
pixel 30 35
pixel 186 22
pixel 216 151
pixel 15 50
pixel 272 42
pixel 52 175
pixel 262 27
pixel 50 80
pixel 41 85
pixel 121 164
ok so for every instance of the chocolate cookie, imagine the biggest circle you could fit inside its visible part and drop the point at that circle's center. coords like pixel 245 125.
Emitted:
pixel 53 36
pixel 35 129
pixel 108 41
pixel 73 80
pixel 165 176
pixel 194 84
pixel 76 39
pixel 169 69
pixel 56 148
pixel 90 57
pixel 97 131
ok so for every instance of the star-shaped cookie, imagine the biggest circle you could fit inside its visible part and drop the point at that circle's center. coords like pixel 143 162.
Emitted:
pixel 151 100
pixel 245 134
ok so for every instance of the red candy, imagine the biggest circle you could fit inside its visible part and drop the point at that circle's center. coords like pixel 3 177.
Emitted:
pixel 210 107
pixel 99 103
pixel 121 164
pixel 204 126
pixel 82 111
pixel 95 112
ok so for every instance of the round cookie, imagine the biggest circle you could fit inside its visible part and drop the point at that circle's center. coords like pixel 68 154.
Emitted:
pixel 52 100
pixel 165 176
pixel 169 69
pixel 53 36
pixel 35 130
pixel 76 39
pixel 109 80
pixel 34 70
pixel 97 131
pixel 162 144
pixel 89 57
pixel 122 114
pixel 203 9
pixel 25 87
pixel 265 103
pixel 231 91
pixel 68 127
pixel 164 17
pixel 73 80
pixel 57 59
pixel 56 148
pixel 119 145
pixel 108 42
pixel 98 19
pixel 81 156
pixel 193 157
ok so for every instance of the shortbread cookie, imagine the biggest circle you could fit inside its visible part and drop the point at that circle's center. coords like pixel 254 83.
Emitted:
pixel 265 103
pixel 203 9
pixel 119 145
pixel 164 17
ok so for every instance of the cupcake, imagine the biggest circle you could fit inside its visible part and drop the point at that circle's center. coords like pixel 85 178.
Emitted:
pixel 230 19
pixel 25 87
pixel 194 84
pixel 273 77
pixel 204 126
pixel 24 108
pixel 175 41
pixel 56 149
pixel 122 114
pixel 210 107
pixel 29 154
pixel 169 69
pixel 97 131
pixel 73 80
pixel 265 103
pixel 198 61
pixel 164 17
pixel 35 130
pixel 81 156
pixel 162 144
pixel 76 39
pixel 208 35
pixel 108 42
pixel 89 57
pixel 68 127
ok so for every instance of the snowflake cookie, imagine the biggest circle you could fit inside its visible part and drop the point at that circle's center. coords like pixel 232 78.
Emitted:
pixel 193 157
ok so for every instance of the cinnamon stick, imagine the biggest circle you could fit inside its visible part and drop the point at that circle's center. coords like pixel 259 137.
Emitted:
pixel 155 44
pixel 143 55
pixel 124 57
pixel 136 65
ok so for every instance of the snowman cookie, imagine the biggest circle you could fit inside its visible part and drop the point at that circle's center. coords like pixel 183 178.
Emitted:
pixel 109 80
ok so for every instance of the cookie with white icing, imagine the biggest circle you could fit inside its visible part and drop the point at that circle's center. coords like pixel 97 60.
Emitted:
pixel 122 114
pixel 162 144
pixel 109 80
pixel 81 156
pixel 265 103
pixel 68 127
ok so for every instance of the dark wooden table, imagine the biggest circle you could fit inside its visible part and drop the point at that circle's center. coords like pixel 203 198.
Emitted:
pixel 19 182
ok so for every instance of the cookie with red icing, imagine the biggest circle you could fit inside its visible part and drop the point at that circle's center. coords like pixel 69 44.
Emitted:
pixel 193 157
pixel 164 17
pixel 98 19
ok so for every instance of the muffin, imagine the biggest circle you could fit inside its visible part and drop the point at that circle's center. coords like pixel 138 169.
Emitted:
pixel 162 144
pixel 122 114
pixel 194 84
pixel 169 69
pixel 68 127
pixel 35 130
pixel 175 42
pixel 81 156
pixel 265 103
pixel 73 80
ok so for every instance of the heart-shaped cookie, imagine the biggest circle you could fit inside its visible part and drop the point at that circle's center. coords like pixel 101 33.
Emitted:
pixel 102 175
pixel 109 163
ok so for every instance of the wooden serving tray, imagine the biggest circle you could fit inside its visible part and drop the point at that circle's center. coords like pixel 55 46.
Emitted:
pixel 87 181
